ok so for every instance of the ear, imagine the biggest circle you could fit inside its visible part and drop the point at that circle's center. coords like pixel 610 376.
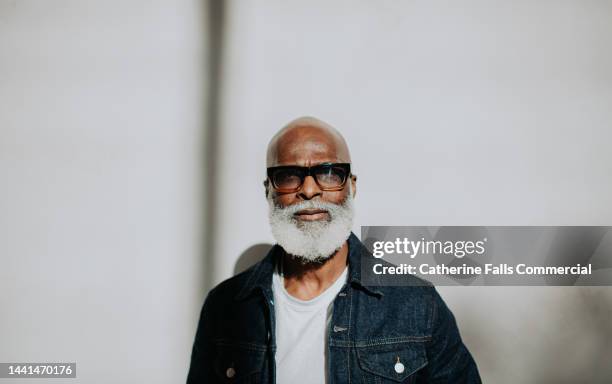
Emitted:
pixel 354 184
pixel 267 187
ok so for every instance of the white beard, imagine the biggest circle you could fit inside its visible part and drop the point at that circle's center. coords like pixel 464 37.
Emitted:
pixel 312 241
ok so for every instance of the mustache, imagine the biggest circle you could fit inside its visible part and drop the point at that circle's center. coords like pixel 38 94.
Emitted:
pixel 308 204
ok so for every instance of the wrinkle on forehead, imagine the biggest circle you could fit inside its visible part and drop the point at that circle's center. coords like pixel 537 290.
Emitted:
pixel 307 141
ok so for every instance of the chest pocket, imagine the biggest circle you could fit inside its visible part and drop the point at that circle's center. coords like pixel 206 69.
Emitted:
pixel 238 363
pixel 391 363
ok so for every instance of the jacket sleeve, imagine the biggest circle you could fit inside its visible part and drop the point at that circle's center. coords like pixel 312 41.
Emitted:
pixel 201 368
pixel 449 359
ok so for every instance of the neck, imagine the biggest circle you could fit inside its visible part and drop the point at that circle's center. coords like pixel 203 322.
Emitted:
pixel 307 281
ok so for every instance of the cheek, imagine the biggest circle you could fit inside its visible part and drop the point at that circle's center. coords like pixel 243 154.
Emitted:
pixel 335 197
pixel 285 200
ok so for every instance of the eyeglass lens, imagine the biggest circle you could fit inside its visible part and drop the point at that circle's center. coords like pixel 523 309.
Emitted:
pixel 292 178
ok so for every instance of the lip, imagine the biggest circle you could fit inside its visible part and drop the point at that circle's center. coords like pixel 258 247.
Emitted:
pixel 311 214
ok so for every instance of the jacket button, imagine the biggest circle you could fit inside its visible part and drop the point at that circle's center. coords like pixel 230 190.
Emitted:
pixel 399 367
pixel 231 372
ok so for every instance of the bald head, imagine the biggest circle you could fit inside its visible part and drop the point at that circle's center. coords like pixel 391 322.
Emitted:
pixel 306 141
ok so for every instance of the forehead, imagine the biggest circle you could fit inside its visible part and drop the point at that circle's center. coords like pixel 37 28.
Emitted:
pixel 306 153
pixel 307 146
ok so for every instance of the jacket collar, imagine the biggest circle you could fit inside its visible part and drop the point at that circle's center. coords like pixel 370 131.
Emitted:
pixel 261 276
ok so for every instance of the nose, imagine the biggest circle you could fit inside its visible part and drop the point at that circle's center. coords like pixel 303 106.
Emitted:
pixel 310 189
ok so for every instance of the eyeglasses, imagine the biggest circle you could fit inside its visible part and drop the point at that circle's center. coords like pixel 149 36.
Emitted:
pixel 328 176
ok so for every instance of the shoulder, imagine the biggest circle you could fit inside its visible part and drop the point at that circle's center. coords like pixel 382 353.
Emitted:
pixel 230 288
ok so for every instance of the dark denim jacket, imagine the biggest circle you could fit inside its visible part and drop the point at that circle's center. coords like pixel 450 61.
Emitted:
pixel 371 327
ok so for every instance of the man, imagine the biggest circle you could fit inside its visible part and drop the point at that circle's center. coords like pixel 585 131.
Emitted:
pixel 302 314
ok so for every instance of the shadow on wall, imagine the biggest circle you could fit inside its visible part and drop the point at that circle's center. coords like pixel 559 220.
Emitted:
pixel 215 20
pixel 579 343
pixel 250 256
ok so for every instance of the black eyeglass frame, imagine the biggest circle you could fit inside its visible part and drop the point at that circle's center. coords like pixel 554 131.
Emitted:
pixel 309 171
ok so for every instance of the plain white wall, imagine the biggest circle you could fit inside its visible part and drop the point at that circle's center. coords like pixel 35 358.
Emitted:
pixel 101 135
pixel 470 112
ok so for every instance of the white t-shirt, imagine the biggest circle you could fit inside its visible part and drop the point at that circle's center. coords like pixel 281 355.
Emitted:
pixel 301 332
